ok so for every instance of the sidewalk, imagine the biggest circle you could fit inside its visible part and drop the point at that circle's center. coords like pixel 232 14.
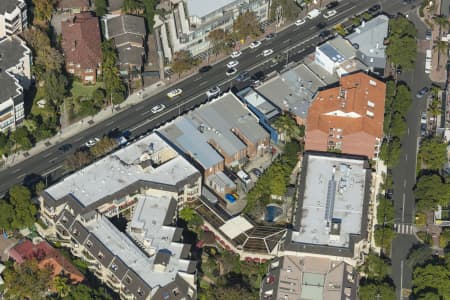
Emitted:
pixel 376 188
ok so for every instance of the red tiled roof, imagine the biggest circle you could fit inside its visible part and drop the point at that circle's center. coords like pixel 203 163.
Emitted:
pixel 81 41
pixel 347 107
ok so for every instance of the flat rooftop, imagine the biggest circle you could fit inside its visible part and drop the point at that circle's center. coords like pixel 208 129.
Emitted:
pixel 201 8
pixel 260 103
pixel 332 204
pixel 150 159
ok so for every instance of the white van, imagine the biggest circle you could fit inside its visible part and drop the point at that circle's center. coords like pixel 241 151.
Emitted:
pixel 313 14
pixel 244 177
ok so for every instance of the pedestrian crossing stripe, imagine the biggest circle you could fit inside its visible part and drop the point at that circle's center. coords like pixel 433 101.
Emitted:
pixel 404 228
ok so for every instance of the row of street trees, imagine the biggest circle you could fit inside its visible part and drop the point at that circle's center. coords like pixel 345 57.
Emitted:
pixel 375 282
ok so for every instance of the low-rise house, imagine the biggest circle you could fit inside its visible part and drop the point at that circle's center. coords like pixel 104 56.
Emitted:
pixel 81 43
pixel 129 35
pixel 348 118
pixel 46 256
pixel 73 6
pixel 15 77
pixel 115 7
pixel 13 17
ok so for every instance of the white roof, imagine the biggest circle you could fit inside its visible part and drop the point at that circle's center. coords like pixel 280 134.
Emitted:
pixel 234 227
pixel 201 8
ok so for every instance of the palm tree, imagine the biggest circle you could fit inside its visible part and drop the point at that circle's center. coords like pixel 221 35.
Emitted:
pixel 442 48
pixel 435 106
pixel 61 286
pixel 187 214
pixel 287 127
pixel 441 21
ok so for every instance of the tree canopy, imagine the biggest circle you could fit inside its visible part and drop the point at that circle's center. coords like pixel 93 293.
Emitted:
pixel 18 211
pixel 114 86
pixel 290 9
pixel 100 7
pixel 402 46
pixel 220 41
pixel 433 152
pixel 431 191
pixel 432 278
pixel 374 290
pixel 247 25
pixel 43 10
pixel 183 61
pixel 376 268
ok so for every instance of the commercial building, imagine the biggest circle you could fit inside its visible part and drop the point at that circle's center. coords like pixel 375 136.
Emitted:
pixel 189 22
pixel 13 17
pixel 349 117
pixel 81 42
pixel 331 215
pixel 312 278
pixel 145 183
pixel 15 77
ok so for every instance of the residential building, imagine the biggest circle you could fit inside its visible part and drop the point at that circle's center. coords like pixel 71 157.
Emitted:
pixel 129 35
pixel 2 268
pixel 147 181
pixel 46 256
pixel 81 42
pixel 348 118
pixel 15 77
pixel 306 277
pixel 115 7
pixel 13 17
pixel 369 42
pixel 189 22
pixel 333 53
pixel 73 6
pixel 331 215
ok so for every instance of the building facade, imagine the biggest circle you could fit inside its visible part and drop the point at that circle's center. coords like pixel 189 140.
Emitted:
pixel 15 77
pixel 189 22
pixel 13 17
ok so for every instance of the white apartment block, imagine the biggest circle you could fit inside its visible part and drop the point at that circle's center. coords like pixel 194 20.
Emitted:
pixel 15 76
pixel 189 22
pixel 13 17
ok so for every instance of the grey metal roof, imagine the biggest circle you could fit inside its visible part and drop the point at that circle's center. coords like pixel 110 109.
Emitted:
pixel 11 51
pixel 125 24
pixel 131 55
pixel 257 100
pixel 201 8
pixel 115 5
pixel 8 5
pixel 342 46
pixel 369 38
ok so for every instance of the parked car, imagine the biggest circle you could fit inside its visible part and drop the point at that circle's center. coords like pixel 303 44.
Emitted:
pixel 256 171
pixel 423 130
pixel 270 36
pixel 204 69
pixel 232 64
pixel 158 108
pixel 244 76
pixel 267 52
pixel 428 35
pixel 258 76
pixel 324 34
pixel 321 25
pixel 300 22
pixel 256 83
pixel 235 54
pixel 231 71
pixel 423 118
pixel 255 44
pixel 389 194
pixel 92 142
pixel 65 147
pixel 213 92
pixel 422 92
pixel 174 93
pixel 329 14
pixel 332 5
pixel 375 8
pixel 313 14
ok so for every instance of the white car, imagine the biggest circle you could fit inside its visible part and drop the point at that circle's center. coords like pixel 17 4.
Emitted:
pixel 158 108
pixel 231 71
pixel 329 14
pixel 267 52
pixel 213 92
pixel 235 54
pixel 232 64
pixel 255 44
pixel 92 142
pixel 313 14
pixel 300 22
pixel 174 93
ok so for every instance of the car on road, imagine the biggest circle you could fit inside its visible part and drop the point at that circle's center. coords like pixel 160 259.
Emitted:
pixel 375 8
pixel 235 54
pixel 92 142
pixel 231 71
pixel 244 76
pixel 258 76
pixel 213 92
pixel 423 130
pixel 428 35
pixel 65 147
pixel 256 171
pixel 313 14
pixel 270 36
pixel 232 64
pixel 158 108
pixel 329 14
pixel 174 93
pixel 422 92
pixel 255 44
pixel 204 69
pixel 325 34
pixel 321 25
pixel 332 5
pixel 267 52
pixel 300 22
pixel 256 83
pixel 423 118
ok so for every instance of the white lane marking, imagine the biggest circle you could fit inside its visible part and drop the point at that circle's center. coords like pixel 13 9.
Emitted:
pixel 109 123
pixel 21 176
pixel 48 154
pixel 146 112
pixel 401 279
pixel 406 156
pixel 197 79
pixel 78 139
pixel 404 183
pixel 203 83
pixel 52 170
pixel 16 171
pixel 403 208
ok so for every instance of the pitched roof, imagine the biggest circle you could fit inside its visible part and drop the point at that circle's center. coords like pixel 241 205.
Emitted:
pixel 9 5
pixel 81 41
pixel 65 4
pixel 125 24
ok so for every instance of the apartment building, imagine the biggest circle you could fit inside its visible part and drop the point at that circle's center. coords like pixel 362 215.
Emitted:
pixel 306 277
pixel 145 183
pixel 13 17
pixel 15 77
pixel 348 118
pixel 187 25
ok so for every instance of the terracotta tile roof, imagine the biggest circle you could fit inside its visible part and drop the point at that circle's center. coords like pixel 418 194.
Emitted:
pixel 81 41
pixel 355 106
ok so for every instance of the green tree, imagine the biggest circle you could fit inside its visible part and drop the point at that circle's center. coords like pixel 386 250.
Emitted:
pixel 430 191
pixel 84 292
pixel 433 152
pixel 77 160
pixel 182 62
pixel 6 216
pixel 383 236
pixel 131 6
pixel 444 238
pixel 419 256
pixel 98 97
pixel 100 7
pixel 398 125
pixel 43 10
pixel 287 127
pixel 442 48
pixel 3 143
pixel 390 152
pixel 441 21
pixel 402 100
pixel 115 89
pixel 432 278
pixel 377 290
pixel 290 9
pixel 220 41
pixel 24 209
pixel 21 137
pixel 385 210
pixel 402 46
pixel 375 267
pixel 247 25
pixel 149 6
pixel 187 214
pixel 105 145
pixel 55 87
pixel 61 285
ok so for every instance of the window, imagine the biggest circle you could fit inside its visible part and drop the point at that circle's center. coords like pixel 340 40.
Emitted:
pixel 372 82
pixel 140 292
pixel 76 232
pixel 89 244
pixel 370 104
pixel 128 280
pixel 370 114
pixel 100 255
pixel 114 267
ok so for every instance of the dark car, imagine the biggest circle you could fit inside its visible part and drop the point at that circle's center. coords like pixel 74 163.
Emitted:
pixel 399 70
pixel 65 147
pixel 258 76
pixel 270 36
pixel 204 69
pixel 244 76
pixel 332 5
pixel 324 34
pixel 428 35
pixel 422 92
pixel 321 25
pixel 375 8
pixel 389 194
pixel 257 172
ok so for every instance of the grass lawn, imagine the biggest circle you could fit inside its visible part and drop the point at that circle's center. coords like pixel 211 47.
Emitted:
pixel 80 90
pixel 36 110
